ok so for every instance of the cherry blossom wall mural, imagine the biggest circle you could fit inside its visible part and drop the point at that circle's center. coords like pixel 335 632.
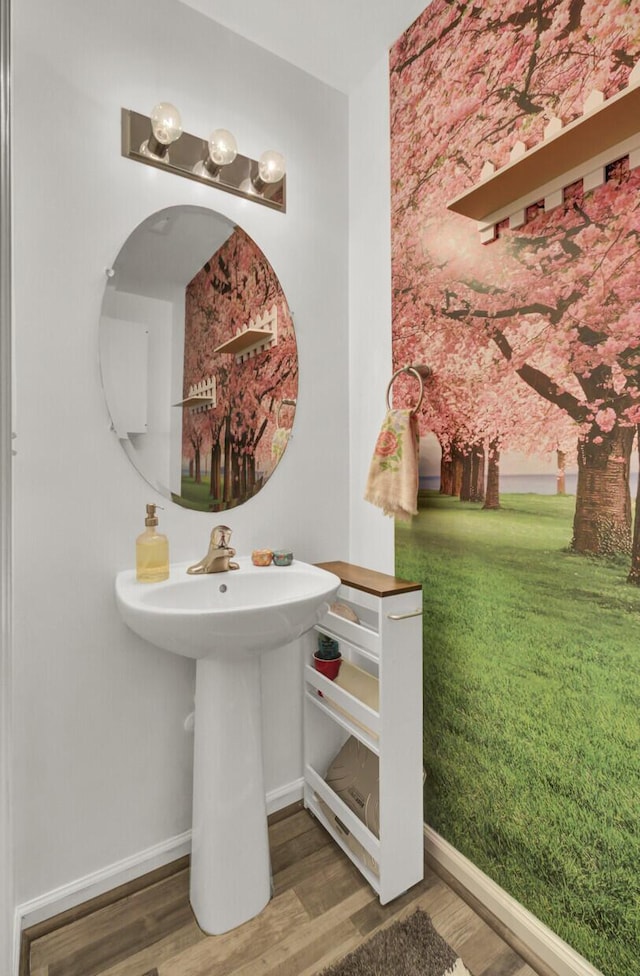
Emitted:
pixel 528 537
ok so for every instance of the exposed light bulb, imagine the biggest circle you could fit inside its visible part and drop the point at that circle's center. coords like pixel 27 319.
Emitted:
pixel 166 126
pixel 166 123
pixel 271 166
pixel 223 147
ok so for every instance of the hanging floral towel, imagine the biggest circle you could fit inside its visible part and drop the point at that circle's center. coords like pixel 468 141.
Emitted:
pixel 279 443
pixel 392 484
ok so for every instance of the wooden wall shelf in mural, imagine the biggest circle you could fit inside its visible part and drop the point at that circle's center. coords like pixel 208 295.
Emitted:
pixel 260 334
pixel 604 133
pixel 196 401
pixel 246 340
pixel 202 396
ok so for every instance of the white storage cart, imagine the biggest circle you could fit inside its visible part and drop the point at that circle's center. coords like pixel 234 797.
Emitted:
pixel 377 698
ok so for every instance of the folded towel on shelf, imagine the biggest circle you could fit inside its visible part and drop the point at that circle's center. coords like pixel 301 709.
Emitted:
pixel 392 484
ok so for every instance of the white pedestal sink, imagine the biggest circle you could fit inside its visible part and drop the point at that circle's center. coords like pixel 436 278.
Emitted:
pixel 226 620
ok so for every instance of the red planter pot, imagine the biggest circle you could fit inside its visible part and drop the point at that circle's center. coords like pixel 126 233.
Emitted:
pixel 328 668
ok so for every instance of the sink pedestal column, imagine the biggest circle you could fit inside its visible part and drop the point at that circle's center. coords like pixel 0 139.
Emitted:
pixel 230 863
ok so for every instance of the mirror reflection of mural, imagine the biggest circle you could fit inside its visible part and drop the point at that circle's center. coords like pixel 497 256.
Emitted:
pixel 240 377
pixel 206 418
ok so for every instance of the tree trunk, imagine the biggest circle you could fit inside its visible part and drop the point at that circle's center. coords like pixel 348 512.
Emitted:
pixel 465 487
pixel 492 499
pixel 477 473
pixel 214 490
pixel 198 474
pixel 634 572
pixel 227 490
pixel 602 521
pixel 243 476
pixel 446 476
pixel 457 459
pixel 451 472
pixel 235 474
pixel 561 483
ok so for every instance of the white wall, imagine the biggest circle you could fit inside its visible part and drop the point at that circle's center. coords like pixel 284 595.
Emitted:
pixel 371 536
pixel 138 371
pixel 102 762
pixel 6 370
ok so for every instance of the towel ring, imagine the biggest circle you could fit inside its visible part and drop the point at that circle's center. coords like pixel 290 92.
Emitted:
pixel 414 372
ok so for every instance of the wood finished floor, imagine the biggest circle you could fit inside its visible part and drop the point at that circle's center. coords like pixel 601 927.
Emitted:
pixel 321 910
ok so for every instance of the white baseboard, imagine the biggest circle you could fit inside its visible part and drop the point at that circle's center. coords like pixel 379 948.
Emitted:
pixel 284 796
pixel 546 945
pixel 83 889
pixel 76 892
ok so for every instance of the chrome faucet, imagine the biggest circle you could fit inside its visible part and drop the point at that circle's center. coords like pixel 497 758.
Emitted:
pixel 220 554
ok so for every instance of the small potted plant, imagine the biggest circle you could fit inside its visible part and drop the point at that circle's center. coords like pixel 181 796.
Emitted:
pixel 327 659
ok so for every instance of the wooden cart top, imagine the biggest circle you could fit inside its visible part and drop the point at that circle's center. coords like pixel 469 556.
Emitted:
pixel 379 584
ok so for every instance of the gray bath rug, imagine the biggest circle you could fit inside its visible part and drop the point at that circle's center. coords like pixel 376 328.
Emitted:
pixel 411 947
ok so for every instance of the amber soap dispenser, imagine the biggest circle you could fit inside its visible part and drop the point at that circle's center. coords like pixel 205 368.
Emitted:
pixel 152 551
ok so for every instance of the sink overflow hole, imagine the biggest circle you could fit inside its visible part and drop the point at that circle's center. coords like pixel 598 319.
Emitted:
pixel 223 588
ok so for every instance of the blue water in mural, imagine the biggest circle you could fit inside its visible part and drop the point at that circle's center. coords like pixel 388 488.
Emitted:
pixel 538 484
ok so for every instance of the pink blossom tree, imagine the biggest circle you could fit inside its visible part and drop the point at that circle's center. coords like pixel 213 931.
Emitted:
pixel 554 305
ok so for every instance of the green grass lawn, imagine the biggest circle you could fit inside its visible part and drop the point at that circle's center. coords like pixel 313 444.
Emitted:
pixel 532 713
pixel 195 494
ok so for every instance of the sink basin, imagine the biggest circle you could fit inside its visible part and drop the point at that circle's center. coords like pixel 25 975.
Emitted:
pixel 253 609
pixel 225 621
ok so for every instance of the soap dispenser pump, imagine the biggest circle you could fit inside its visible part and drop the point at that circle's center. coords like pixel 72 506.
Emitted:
pixel 152 551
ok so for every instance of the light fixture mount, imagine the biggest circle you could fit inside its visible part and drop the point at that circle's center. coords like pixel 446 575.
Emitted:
pixel 238 177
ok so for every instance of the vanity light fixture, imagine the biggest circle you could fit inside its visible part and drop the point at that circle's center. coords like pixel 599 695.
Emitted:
pixel 214 161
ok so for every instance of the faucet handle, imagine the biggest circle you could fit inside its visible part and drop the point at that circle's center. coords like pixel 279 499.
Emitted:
pixel 220 536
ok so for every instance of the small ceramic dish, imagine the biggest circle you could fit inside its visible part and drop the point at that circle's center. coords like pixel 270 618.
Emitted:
pixel 282 557
pixel 261 557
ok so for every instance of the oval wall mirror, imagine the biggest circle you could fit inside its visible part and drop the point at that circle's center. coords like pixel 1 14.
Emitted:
pixel 198 358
